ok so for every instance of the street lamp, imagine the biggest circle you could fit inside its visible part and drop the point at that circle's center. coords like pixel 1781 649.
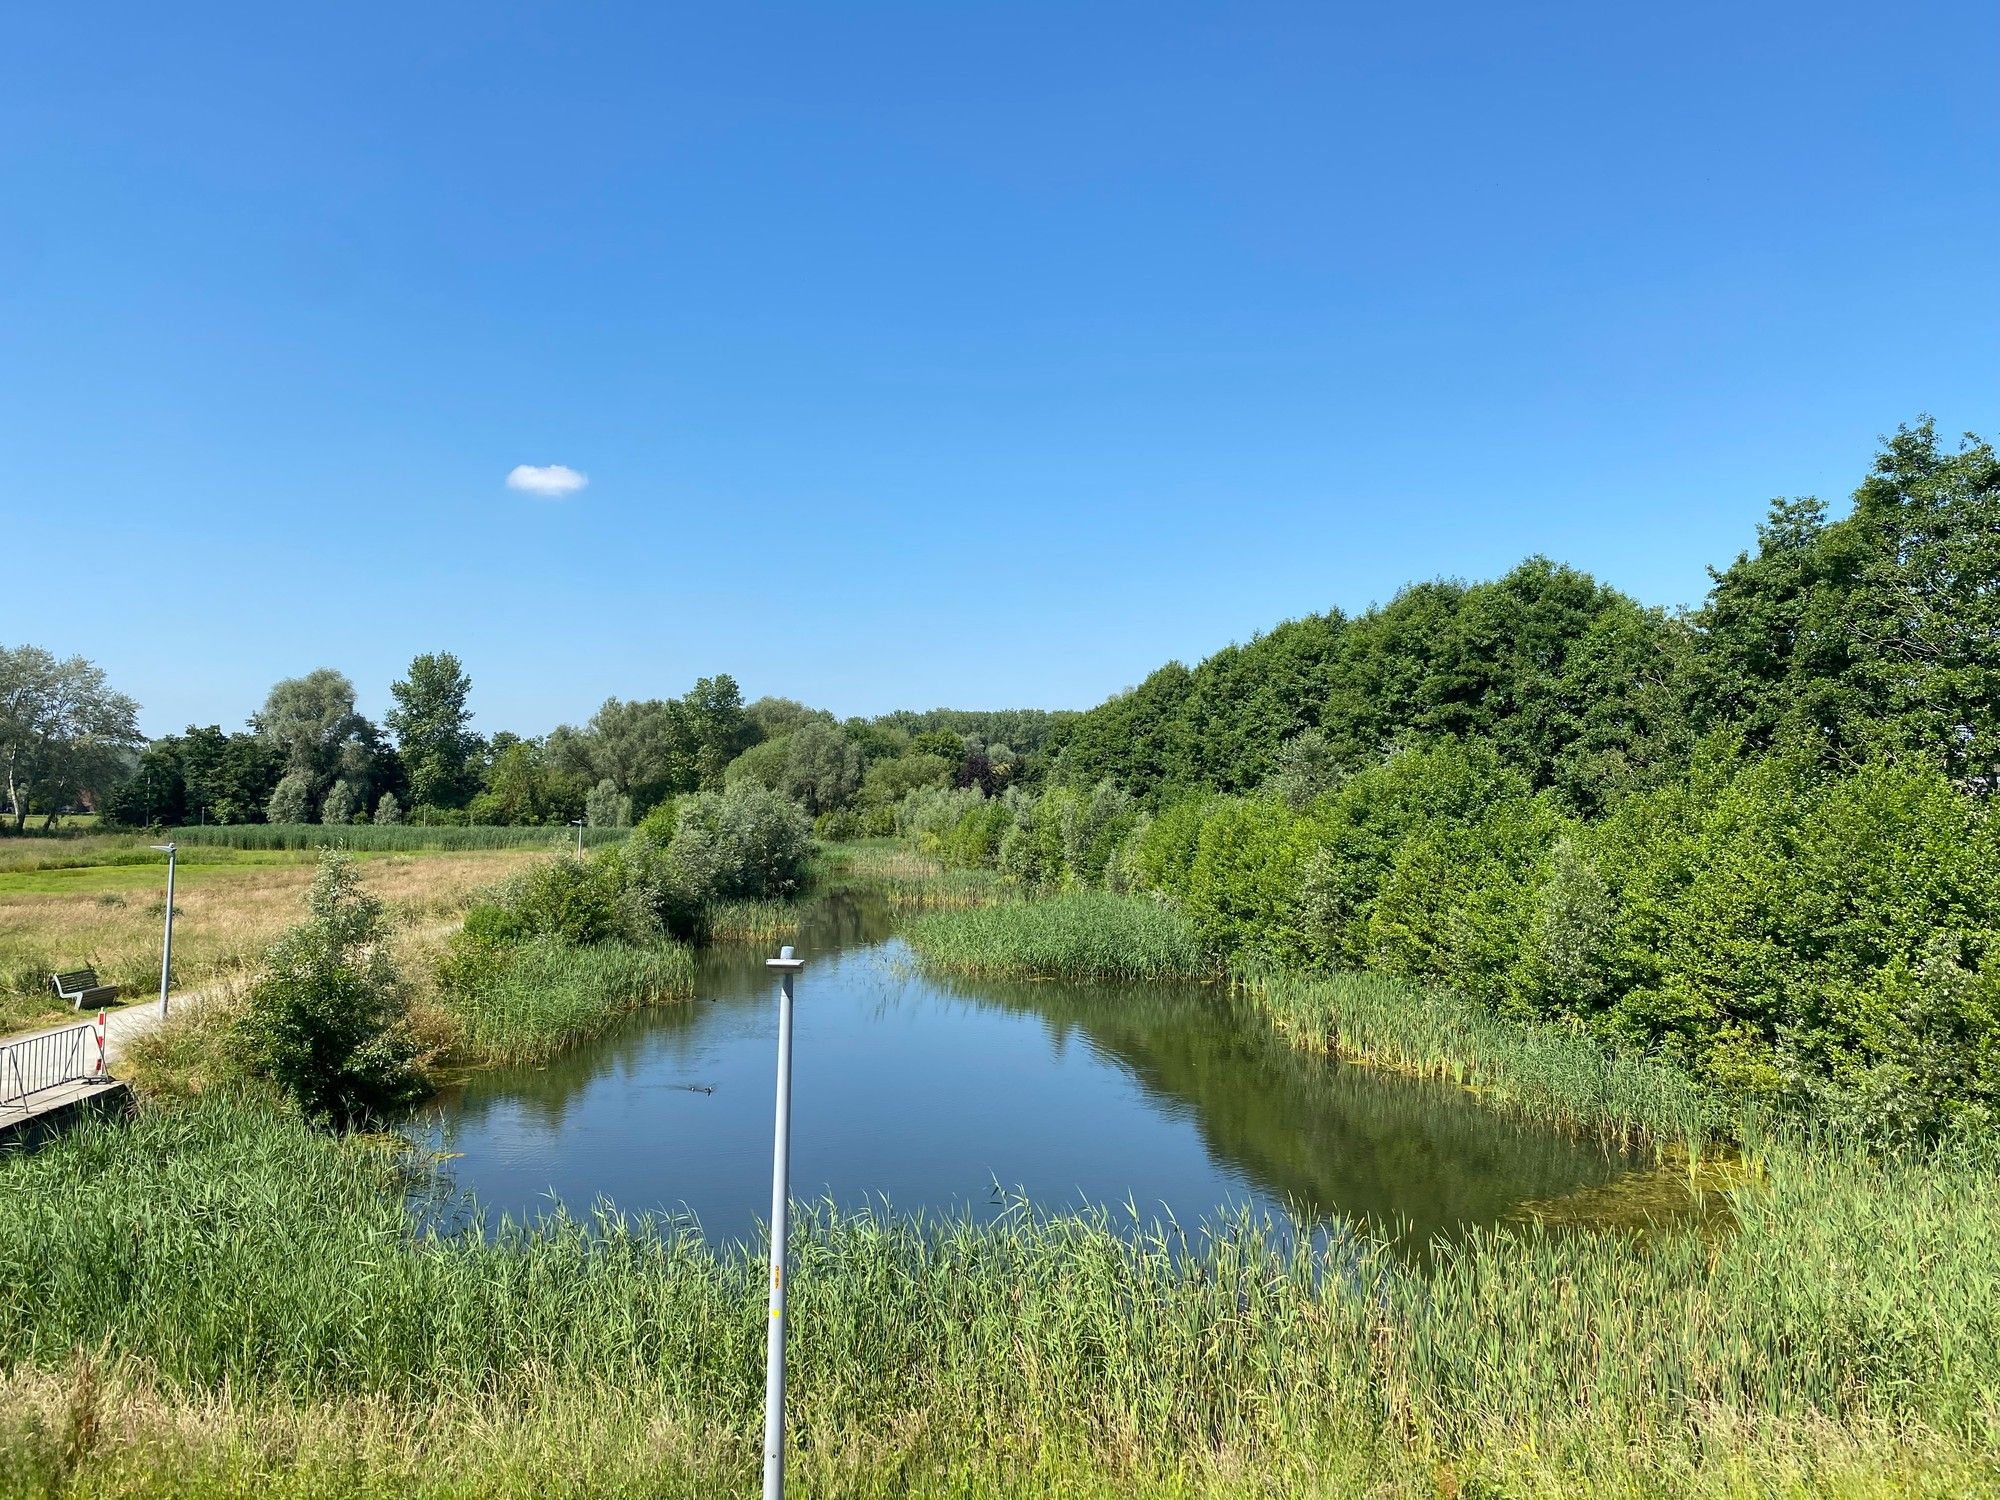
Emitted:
pixel 577 824
pixel 167 947
pixel 781 1195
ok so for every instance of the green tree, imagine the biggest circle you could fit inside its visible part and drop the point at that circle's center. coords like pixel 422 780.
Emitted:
pixel 822 768
pixel 523 786
pixel 388 811
pixel 339 803
pixel 312 724
pixel 328 1021
pixel 292 799
pixel 717 728
pixel 432 727
pixel 64 733
pixel 1873 633
pixel 764 763
pixel 772 717
pixel 642 748
pixel 607 807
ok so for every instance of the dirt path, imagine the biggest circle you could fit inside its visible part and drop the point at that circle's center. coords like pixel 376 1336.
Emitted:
pixel 125 1024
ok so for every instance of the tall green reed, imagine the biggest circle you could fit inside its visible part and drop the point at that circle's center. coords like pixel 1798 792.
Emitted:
pixel 1078 934
pixel 511 1004
pixel 231 1249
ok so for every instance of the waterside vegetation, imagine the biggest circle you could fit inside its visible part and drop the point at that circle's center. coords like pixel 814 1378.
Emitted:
pixel 1838 1339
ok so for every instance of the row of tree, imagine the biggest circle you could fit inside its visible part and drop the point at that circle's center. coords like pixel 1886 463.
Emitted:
pixel 308 754
pixel 1872 633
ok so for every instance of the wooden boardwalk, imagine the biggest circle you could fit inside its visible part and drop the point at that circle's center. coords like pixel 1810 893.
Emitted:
pixel 49 1073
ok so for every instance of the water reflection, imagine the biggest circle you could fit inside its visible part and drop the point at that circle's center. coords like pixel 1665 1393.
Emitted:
pixel 931 1093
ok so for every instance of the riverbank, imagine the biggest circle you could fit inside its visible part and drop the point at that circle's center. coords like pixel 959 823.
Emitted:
pixel 286 1320
pixel 288 1329
pixel 1540 1071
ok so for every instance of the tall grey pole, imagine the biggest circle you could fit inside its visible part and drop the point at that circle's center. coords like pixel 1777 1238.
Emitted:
pixel 781 1195
pixel 167 947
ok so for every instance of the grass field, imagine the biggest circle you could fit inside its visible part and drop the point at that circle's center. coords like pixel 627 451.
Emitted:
pixel 101 902
pixel 283 1328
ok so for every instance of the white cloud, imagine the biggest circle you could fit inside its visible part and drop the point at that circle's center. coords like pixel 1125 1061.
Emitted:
pixel 546 481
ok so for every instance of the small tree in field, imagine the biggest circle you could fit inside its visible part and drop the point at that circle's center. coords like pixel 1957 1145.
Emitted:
pixel 337 806
pixel 388 810
pixel 292 801
pixel 328 1022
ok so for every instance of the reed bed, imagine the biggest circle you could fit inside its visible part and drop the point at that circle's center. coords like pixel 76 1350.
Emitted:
pixel 1540 1070
pixel 751 921
pixel 524 1003
pixel 1076 935
pixel 365 837
pixel 908 881
pixel 241 1264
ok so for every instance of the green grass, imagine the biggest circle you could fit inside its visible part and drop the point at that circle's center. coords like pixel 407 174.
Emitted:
pixel 251 1287
pixel 905 879
pixel 1077 935
pixel 400 837
pixel 524 1003
pixel 104 851
pixel 748 921
pixel 1543 1071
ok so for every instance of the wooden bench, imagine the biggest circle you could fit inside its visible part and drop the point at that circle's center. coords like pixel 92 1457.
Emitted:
pixel 82 986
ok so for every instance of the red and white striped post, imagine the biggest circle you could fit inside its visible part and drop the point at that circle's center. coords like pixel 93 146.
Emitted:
pixel 100 1044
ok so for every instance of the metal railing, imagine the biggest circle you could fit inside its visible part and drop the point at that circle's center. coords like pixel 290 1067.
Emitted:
pixel 48 1061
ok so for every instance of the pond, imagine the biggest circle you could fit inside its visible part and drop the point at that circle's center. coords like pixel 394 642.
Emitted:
pixel 954 1096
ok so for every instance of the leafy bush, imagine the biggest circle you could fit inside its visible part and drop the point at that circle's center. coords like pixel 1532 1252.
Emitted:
pixel 747 843
pixel 328 1021
pixel 339 803
pixel 607 807
pixel 565 899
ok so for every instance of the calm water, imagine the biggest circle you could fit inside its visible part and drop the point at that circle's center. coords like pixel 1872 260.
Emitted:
pixel 949 1095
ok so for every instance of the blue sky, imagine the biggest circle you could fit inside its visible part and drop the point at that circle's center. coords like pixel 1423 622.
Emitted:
pixel 986 355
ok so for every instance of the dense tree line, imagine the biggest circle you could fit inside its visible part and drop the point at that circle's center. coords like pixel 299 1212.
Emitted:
pixel 1758 839
pixel 308 755
pixel 1871 634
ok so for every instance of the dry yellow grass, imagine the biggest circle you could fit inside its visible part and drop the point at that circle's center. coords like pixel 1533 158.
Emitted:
pixel 225 916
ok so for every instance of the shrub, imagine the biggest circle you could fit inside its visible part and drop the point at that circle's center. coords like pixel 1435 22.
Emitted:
pixel 747 843
pixel 607 807
pixel 291 801
pixel 565 899
pixel 328 1021
pixel 339 803
pixel 388 811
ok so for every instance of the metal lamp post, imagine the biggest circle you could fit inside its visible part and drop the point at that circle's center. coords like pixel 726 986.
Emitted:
pixel 167 947
pixel 781 1193
pixel 577 824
